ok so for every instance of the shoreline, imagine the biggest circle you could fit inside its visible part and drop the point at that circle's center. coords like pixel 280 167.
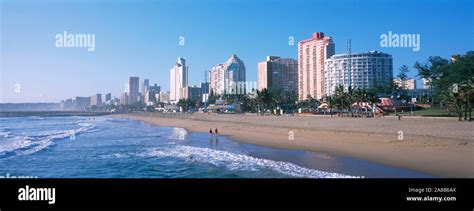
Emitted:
pixel 447 152
pixel 49 113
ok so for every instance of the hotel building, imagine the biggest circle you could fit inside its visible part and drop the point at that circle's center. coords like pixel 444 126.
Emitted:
pixel 178 80
pixel 312 54
pixel 278 73
pixel 365 71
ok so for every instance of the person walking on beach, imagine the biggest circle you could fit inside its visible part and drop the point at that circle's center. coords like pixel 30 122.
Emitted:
pixel 210 131
pixel 216 131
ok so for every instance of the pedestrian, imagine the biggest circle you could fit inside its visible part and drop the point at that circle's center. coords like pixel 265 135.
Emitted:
pixel 216 131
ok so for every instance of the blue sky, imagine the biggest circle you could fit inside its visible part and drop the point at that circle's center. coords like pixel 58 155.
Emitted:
pixel 140 38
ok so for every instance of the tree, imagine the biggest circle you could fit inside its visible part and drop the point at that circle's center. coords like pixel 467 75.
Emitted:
pixel 432 71
pixel 309 103
pixel 186 104
pixel 451 81
pixel 329 99
pixel 289 100
pixel 94 108
pixel 263 99
pixel 212 97
pixel 403 77
pixel 340 98
pixel 460 74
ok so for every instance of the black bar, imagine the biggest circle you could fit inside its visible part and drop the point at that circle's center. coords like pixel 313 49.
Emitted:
pixel 218 193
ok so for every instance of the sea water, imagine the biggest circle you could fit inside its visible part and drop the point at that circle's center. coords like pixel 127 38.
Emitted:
pixel 106 147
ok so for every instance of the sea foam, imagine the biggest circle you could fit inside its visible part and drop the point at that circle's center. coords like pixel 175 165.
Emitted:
pixel 238 162
pixel 16 145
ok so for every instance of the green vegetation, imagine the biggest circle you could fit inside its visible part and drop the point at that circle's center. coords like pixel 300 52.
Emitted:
pixel 452 82
pixel 434 112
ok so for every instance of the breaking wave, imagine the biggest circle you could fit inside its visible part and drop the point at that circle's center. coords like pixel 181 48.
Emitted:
pixel 238 162
pixel 24 145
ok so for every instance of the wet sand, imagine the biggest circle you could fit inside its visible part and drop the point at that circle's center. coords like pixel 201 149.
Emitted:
pixel 436 146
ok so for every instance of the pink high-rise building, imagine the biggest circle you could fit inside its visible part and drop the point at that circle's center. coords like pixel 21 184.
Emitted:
pixel 312 53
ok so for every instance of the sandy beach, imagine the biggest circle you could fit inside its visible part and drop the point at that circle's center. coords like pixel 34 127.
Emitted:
pixel 436 146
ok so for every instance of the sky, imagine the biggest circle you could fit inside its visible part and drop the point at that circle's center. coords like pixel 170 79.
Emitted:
pixel 141 38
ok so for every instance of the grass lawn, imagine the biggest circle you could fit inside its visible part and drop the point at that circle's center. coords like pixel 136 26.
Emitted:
pixel 434 112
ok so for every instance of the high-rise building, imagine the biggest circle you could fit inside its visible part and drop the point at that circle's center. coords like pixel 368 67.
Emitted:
pixel 155 88
pixel 82 103
pixel 216 79
pixel 312 53
pixel 149 97
pixel 124 99
pixel 96 100
pixel 178 80
pixel 108 97
pixel 145 84
pixel 205 87
pixel 234 75
pixel 367 70
pixel 134 94
pixel 193 93
pixel 279 74
pixel 228 78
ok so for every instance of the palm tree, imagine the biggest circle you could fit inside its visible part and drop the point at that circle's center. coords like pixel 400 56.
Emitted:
pixel 264 99
pixel 358 97
pixel 350 99
pixel 330 101
pixel 339 98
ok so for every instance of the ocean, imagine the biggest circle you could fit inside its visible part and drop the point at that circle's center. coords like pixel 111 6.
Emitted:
pixel 106 147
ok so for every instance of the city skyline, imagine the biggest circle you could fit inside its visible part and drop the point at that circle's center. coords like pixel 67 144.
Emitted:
pixel 53 74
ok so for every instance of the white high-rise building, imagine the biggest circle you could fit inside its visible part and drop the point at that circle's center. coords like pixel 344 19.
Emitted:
pixel 367 70
pixel 178 80
pixel 216 79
